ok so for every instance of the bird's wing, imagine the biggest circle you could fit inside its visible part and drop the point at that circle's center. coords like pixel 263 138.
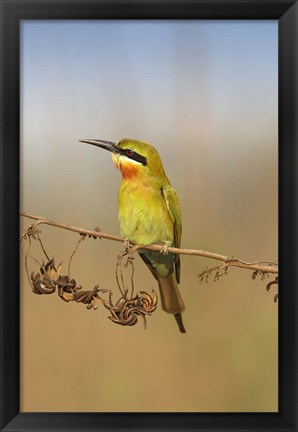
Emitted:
pixel 172 202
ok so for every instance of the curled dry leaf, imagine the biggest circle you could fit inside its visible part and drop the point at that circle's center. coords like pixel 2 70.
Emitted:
pixel 127 311
pixel 89 297
pixel 44 281
pixel 66 288
pixel 269 285
pixel 42 285
pixel 49 278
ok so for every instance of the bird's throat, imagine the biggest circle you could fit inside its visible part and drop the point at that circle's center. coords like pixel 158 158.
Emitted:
pixel 128 169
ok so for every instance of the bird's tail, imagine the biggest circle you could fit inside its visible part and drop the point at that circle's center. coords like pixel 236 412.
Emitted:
pixel 171 300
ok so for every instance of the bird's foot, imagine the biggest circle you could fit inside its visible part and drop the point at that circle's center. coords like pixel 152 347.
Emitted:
pixel 164 249
pixel 127 246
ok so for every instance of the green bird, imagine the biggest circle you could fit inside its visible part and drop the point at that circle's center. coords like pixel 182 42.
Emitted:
pixel 149 212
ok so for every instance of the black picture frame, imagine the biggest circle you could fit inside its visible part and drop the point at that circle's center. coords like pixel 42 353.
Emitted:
pixel 286 12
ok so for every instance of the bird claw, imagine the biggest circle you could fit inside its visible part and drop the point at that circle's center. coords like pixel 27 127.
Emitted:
pixel 127 246
pixel 164 249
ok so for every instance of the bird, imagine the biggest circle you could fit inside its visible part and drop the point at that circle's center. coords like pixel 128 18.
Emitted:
pixel 149 213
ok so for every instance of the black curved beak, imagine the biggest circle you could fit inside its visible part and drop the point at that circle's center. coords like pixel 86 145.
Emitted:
pixel 106 145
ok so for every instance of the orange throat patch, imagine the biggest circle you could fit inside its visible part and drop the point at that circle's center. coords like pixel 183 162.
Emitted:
pixel 128 169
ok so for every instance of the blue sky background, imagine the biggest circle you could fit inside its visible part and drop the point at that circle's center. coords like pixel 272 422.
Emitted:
pixel 205 94
pixel 148 69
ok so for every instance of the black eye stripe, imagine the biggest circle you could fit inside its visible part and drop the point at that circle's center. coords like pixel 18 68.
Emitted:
pixel 131 154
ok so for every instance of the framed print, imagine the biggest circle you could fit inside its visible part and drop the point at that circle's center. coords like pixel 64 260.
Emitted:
pixel 114 317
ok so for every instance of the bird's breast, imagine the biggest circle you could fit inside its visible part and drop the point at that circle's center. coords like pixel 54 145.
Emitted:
pixel 143 214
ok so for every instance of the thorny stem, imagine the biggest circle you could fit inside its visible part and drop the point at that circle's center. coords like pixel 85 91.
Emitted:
pixel 42 247
pixel 119 264
pixel 267 267
pixel 119 269
pixel 26 260
pixel 72 255
pixel 130 261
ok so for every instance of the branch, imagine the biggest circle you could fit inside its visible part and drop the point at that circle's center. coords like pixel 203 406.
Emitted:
pixel 260 266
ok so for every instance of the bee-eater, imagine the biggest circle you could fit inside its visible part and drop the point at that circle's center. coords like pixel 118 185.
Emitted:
pixel 149 212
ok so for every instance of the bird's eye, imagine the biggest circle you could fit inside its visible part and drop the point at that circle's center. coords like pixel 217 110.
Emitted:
pixel 129 152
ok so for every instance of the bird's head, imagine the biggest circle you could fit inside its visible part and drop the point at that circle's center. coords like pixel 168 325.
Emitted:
pixel 133 158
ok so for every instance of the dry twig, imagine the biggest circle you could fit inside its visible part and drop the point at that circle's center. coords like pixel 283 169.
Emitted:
pixel 126 310
pixel 265 267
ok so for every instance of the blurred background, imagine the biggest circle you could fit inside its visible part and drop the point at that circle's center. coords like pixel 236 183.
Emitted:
pixel 204 93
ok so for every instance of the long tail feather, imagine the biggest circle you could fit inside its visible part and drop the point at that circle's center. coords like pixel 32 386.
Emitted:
pixel 171 300
pixel 179 321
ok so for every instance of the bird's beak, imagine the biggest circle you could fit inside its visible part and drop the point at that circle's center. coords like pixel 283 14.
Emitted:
pixel 107 145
